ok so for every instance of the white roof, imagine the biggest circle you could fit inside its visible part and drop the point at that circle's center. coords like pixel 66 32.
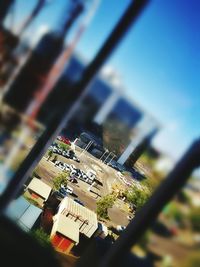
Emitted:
pixel 67 227
pixel 40 188
pixel 69 206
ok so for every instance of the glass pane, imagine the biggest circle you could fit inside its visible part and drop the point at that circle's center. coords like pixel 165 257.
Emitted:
pixel 131 127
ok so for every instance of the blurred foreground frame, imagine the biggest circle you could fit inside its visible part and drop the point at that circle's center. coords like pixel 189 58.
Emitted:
pixel 25 250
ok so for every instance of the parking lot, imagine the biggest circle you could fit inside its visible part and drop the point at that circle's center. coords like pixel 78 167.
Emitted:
pixel 88 194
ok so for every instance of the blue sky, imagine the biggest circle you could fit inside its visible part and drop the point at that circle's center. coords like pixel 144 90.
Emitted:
pixel 159 61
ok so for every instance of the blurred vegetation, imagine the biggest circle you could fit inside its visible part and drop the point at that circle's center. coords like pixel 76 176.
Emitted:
pixel 104 204
pixel 42 237
pixel 49 154
pixel 183 198
pixel 144 240
pixel 195 219
pixel 193 260
pixel 55 158
pixel 151 183
pixel 137 196
pixel 63 146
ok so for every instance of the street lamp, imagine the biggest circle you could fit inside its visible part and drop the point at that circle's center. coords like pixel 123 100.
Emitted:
pixel 107 157
pixel 104 154
pixel 86 148
pixel 111 158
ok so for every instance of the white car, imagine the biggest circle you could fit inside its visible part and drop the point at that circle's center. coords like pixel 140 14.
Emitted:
pixel 68 189
pixel 72 167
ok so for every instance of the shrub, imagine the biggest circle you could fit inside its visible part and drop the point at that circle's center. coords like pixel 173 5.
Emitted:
pixel 49 154
pixel 64 146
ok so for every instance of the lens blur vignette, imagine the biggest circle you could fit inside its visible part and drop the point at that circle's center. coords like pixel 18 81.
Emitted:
pixel 88 133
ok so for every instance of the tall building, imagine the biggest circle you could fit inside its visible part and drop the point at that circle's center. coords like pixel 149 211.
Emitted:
pixel 107 113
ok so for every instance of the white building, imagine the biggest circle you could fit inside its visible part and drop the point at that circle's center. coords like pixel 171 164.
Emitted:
pixel 64 234
pixel 38 190
pixel 83 217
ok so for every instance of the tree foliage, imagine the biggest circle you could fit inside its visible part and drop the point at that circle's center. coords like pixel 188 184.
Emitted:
pixel 104 204
pixel 64 146
pixel 49 154
pixel 137 196
pixel 60 179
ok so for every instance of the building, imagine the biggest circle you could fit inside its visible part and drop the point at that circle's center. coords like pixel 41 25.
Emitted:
pixel 38 191
pixel 106 113
pixel 83 217
pixel 65 233
pixel 23 213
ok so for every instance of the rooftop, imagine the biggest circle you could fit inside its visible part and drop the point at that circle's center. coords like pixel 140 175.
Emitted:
pixel 69 206
pixel 67 227
pixel 40 188
pixel 24 213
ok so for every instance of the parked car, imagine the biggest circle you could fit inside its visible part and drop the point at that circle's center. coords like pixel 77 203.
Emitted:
pixel 72 167
pixel 73 180
pixel 62 193
pixel 67 188
pixel 91 175
pixel 65 140
pixel 75 158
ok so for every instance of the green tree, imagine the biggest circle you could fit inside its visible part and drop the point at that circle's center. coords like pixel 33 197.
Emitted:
pixel 60 179
pixel 103 205
pixel 137 196
pixel 64 146
pixel 55 158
